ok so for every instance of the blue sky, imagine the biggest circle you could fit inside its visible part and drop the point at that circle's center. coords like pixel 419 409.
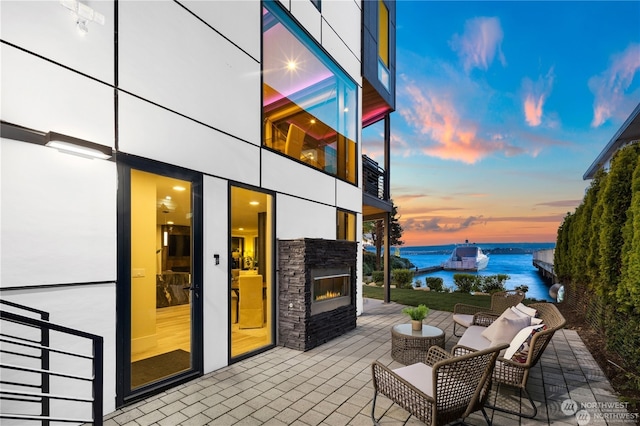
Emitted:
pixel 501 107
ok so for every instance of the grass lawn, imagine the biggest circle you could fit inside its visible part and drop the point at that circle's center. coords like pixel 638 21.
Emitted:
pixel 433 300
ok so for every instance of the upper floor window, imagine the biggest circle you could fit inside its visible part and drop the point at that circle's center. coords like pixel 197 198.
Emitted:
pixel 383 44
pixel 309 103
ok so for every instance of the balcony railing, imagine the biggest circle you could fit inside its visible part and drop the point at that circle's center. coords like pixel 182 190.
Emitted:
pixel 44 382
pixel 373 177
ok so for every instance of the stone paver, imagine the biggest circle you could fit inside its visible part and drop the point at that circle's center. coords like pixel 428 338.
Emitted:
pixel 331 385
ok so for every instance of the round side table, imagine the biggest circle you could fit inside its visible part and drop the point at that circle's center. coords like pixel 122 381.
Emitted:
pixel 409 346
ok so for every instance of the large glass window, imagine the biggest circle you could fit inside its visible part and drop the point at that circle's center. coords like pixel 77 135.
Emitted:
pixel 383 44
pixel 309 103
pixel 251 291
pixel 383 33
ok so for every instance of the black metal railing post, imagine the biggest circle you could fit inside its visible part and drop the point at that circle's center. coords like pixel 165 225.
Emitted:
pixel 98 381
pixel 45 363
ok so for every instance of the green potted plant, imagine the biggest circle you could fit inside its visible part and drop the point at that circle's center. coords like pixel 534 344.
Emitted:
pixel 417 315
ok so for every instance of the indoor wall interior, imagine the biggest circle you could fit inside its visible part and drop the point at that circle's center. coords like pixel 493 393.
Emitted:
pixel 251 261
pixel 161 248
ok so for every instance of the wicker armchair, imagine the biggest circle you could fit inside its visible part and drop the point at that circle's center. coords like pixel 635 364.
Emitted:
pixel 446 388
pixel 501 300
pixel 516 374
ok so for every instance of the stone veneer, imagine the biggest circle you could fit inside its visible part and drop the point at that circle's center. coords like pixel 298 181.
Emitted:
pixel 297 328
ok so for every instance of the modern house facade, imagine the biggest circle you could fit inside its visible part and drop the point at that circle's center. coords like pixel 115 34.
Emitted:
pixel 159 158
pixel 628 133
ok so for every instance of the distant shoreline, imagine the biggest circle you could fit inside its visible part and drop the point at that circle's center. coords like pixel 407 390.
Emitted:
pixel 488 248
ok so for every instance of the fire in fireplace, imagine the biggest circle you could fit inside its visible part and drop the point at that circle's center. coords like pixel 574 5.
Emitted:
pixel 330 288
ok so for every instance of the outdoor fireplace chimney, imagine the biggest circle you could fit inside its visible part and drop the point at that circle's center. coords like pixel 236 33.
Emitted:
pixel 316 297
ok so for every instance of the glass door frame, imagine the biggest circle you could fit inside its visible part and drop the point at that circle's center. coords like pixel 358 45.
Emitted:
pixel 125 163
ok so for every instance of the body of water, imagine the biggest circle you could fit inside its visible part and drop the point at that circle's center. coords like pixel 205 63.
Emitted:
pixel 518 266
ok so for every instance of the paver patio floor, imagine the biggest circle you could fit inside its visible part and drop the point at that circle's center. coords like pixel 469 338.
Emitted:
pixel 331 385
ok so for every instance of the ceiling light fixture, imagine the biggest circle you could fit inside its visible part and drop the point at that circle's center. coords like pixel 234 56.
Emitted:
pixel 75 146
pixel 179 188
pixel 254 203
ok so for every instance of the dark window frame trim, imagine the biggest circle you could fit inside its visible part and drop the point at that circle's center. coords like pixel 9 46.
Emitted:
pixel 125 162
pixel 274 276
pixel 279 11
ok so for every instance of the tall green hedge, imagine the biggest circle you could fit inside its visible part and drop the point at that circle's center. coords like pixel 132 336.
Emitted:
pixel 628 291
pixel 598 253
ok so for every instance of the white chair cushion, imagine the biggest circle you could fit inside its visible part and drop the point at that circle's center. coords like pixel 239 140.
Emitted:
pixel 464 320
pixel 473 338
pixel 505 327
pixel 419 375
pixel 526 311
pixel 520 343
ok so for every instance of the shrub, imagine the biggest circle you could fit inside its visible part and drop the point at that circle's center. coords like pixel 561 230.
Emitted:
pixel 366 269
pixel 377 277
pixel 417 283
pixel 402 278
pixel 435 284
pixel 493 283
pixel 466 283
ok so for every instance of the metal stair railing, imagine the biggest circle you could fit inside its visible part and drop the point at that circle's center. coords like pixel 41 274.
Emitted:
pixel 24 351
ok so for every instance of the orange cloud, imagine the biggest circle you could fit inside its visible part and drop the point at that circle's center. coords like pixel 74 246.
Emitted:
pixel 436 117
pixel 609 87
pixel 449 230
pixel 535 95
pixel 533 109
pixel 480 43
pixel 561 203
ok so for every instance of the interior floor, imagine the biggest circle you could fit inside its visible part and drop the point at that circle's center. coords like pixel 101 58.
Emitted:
pixel 173 328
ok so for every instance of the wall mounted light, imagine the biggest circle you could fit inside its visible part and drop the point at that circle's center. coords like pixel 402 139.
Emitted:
pixel 84 14
pixel 75 146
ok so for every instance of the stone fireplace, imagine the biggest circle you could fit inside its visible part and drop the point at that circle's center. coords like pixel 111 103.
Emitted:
pixel 317 286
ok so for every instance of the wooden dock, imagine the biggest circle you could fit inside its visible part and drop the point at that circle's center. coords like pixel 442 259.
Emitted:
pixel 543 260
pixel 428 269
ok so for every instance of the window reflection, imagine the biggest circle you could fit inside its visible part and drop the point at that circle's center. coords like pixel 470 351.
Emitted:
pixel 309 104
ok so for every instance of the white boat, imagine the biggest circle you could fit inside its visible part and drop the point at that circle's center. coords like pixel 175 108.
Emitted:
pixel 466 257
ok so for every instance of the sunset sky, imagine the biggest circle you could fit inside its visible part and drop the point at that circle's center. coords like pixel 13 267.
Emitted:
pixel 501 107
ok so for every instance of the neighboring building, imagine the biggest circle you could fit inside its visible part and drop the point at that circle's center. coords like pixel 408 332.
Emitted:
pixel 629 132
pixel 229 131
